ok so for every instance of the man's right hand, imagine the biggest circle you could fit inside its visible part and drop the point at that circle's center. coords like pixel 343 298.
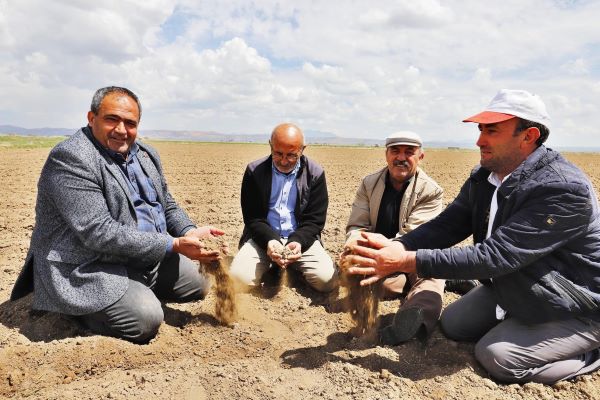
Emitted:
pixel 376 256
pixel 275 252
pixel 191 247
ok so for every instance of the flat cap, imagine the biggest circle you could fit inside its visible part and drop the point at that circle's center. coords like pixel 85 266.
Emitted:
pixel 405 138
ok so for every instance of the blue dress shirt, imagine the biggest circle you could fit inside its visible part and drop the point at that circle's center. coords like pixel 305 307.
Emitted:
pixel 149 212
pixel 282 202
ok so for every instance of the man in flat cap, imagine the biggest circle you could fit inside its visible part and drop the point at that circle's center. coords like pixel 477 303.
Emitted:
pixel 392 202
pixel 536 227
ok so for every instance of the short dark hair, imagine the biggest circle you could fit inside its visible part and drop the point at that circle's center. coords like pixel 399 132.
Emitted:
pixel 523 124
pixel 105 91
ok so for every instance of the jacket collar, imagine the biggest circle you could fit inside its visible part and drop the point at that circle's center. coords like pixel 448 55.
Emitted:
pixel 537 160
pixel 540 157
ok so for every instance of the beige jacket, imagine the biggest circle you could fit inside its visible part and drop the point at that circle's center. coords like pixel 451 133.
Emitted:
pixel 421 202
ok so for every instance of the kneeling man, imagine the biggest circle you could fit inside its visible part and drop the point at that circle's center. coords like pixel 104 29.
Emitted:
pixel 109 240
pixel 284 203
pixel 393 201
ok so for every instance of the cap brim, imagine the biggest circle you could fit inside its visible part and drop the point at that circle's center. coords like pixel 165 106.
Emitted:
pixel 489 117
pixel 403 143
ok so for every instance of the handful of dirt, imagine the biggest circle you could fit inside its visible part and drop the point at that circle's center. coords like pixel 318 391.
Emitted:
pixel 361 301
pixel 225 305
pixel 280 273
pixel 283 251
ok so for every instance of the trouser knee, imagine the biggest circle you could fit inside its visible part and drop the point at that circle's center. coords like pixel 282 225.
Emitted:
pixel 323 283
pixel 147 325
pixel 241 276
pixel 141 322
pixel 133 318
pixel 495 359
pixel 451 326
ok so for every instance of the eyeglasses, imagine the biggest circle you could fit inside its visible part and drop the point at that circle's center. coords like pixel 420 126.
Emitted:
pixel 291 157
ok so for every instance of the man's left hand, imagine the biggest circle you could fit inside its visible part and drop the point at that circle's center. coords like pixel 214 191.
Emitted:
pixel 294 252
pixel 205 231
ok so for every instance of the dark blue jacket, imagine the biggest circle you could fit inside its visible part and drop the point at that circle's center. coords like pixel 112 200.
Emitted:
pixel 310 210
pixel 544 252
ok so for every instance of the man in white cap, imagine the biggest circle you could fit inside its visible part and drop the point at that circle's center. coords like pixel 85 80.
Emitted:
pixel 392 202
pixel 536 228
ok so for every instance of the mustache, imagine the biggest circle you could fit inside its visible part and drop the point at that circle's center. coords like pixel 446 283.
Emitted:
pixel 400 163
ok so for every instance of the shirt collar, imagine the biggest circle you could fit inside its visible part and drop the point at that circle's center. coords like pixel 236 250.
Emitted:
pixel 292 172
pixel 495 180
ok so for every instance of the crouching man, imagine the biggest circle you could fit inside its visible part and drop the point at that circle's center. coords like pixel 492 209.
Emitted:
pixel 393 201
pixel 109 240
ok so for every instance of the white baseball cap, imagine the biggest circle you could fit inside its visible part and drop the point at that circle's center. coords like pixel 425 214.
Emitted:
pixel 403 138
pixel 510 103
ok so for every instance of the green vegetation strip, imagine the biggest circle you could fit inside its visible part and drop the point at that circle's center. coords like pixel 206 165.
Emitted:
pixel 28 142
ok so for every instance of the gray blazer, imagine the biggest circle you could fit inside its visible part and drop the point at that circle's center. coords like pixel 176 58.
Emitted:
pixel 85 237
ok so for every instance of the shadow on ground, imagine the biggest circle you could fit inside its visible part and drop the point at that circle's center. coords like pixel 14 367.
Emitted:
pixel 42 326
pixel 415 360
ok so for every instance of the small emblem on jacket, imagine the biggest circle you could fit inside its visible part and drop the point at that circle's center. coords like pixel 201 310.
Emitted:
pixel 550 221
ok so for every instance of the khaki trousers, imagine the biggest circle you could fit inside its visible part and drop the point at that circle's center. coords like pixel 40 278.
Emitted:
pixel 251 262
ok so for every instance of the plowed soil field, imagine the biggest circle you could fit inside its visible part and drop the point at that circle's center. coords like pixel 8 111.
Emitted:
pixel 287 344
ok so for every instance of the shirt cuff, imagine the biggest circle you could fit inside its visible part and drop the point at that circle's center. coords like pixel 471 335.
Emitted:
pixel 169 246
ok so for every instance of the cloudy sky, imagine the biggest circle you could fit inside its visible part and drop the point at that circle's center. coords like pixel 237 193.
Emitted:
pixel 352 68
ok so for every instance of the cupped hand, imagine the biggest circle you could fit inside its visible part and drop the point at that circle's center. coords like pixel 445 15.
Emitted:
pixel 376 256
pixel 192 248
pixel 208 231
pixel 275 252
pixel 293 253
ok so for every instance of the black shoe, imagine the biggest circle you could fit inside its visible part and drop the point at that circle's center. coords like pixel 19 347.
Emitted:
pixel 407 324
pixel 460 286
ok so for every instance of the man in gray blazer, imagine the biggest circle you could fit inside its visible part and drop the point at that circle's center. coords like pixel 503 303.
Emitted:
pixel 109 240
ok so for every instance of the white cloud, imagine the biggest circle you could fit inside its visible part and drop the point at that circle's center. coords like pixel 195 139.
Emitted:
pixel 576 67
pixel 352 68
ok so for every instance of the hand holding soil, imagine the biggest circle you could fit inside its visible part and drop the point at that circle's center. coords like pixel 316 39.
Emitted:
pixel 284 255
pixel 193 248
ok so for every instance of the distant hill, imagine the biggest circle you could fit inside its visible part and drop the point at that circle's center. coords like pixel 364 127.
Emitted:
pixel 17 130
pixel 312 137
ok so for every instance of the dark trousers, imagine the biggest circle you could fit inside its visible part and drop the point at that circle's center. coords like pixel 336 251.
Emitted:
pixel 513 351
pixel 137 315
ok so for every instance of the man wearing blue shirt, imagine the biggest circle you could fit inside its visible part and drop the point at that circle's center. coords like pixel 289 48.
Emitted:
pixel 109 240
pixel 284 203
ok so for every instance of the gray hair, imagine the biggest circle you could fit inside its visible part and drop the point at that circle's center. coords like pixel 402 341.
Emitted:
pixel 105 91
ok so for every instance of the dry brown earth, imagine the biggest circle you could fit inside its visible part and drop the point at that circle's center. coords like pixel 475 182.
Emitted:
pixel 292 344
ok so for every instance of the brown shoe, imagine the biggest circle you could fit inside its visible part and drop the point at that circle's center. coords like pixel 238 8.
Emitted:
pixel 407 324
